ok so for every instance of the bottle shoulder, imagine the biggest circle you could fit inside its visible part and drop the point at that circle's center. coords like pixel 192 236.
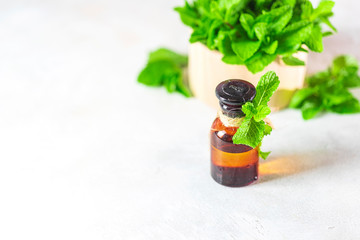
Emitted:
pixel 221 138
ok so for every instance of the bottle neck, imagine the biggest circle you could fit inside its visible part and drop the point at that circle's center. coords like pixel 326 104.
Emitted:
pixel 227 121
pixel 231 111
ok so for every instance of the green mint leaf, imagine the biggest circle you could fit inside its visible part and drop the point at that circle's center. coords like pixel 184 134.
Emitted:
pixel 216 11
pixel 227 4
pixel 249 133
pixel 295 27
pixel 249 109
pixel 326 34
pixel 306 10
pixel 260 30
pixel 324 9
pixel 352 80
pixel 293 61
pixel 284 15
pixel 267 130
pixel 203 6
pixel 188 15
pixel 245 49
pixel 212 34
pixel 344 63
pixel 350 106
pixel 271 48
pixel 247 22
pixel 259 61
pixel 314 41
pixel 165 68
pixel 262 4
pixel 289 2
pixel 258 113
pixel 232 59
pixel 265 88
pixel 168 55
pixel 327 22
pixel 345 68
pixel 170 82
pixel 310 108
pixel 223 43
pixel 154 73
pixel 300 96
pixel 339 96
pixel 261 112
pixel 318 78
pixel 293 36
pixel 199 35
pixel 277 18
pixel 264 155
pixel 232 13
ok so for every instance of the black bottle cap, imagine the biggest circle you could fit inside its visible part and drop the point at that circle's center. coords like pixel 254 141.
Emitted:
pixel 232 94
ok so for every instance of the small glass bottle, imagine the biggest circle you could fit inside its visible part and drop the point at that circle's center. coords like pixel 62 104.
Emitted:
pixel 232 165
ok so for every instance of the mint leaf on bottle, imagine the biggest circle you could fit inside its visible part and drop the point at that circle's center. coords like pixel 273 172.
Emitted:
pixel 264 155
pixel 253 128
pixel 250 133
pixel 265 88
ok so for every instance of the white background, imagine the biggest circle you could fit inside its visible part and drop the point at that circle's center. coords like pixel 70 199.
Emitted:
pixel 87 153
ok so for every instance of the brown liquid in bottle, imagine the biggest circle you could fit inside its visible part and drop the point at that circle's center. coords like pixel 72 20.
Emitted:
pixel 232 165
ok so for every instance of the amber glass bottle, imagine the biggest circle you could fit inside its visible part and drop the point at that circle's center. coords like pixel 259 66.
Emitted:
pixel 232 165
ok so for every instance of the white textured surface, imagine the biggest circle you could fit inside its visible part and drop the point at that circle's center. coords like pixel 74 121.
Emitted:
pixel 86 153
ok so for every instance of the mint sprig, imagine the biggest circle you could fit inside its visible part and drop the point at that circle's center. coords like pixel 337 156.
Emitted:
pixel 165 68
pixel 254 33
pixel 253 128
pixel 328 90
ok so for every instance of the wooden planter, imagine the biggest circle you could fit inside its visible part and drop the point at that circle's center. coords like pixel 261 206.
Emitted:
pixel 206 71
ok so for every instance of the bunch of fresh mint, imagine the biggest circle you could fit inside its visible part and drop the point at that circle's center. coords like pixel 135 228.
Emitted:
pixel 328 90
pixel 256 32
pixel 166 68
pixel 253 127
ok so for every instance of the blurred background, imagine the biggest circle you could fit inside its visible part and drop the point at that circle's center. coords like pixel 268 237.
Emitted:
pixel 88 153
